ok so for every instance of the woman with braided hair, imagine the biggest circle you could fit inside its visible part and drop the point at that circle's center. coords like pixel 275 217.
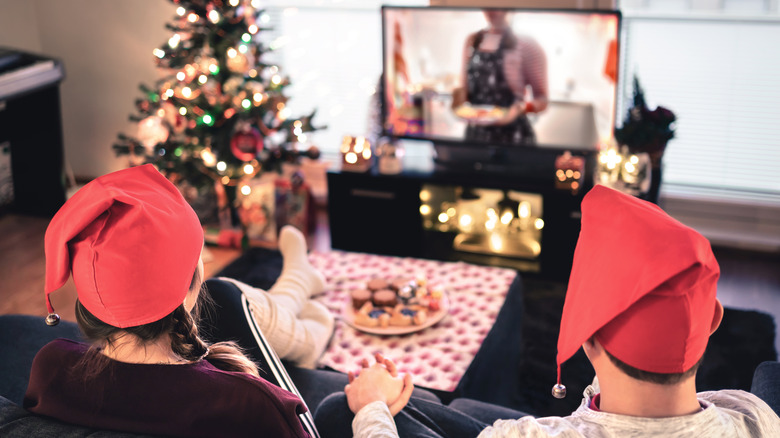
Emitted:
pixel 133 246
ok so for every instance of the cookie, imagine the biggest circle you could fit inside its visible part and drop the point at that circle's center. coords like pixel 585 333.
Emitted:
pixel 402 316
pixel 360 297
pixel 370 316
pixel 377 284
pixel 384 298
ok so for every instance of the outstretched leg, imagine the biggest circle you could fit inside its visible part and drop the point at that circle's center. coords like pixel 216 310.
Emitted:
pixel 297 328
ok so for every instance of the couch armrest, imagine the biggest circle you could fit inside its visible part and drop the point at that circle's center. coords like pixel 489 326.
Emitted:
pixel 766 384
pixel 23 336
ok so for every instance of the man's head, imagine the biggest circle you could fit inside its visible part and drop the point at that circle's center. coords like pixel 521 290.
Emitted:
pixel 642 285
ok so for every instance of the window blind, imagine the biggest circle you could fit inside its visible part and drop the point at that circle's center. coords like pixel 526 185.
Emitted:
pixel 721 77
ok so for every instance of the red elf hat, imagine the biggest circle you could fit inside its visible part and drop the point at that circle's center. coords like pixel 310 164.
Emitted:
pixel 643 283
pixel 132 243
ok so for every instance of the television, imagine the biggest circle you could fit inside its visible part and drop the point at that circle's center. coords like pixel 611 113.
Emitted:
pixel 496 84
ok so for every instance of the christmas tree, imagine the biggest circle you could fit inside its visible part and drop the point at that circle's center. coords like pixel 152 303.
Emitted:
pixel 218 114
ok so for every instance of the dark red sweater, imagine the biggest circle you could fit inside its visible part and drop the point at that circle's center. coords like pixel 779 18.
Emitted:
pixel 191 400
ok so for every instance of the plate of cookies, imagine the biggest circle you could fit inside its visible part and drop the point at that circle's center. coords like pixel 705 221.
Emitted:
pixel 481 113
pixel 395 306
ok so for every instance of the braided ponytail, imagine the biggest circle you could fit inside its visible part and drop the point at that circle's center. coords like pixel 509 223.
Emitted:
pixel 224 355
pixel 186 342
pixel 184 336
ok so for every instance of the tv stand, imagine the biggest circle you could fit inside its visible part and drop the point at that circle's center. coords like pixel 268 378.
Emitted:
pixel 381 214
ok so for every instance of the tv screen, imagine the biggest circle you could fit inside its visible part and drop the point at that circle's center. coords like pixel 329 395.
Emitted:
pixel 502 77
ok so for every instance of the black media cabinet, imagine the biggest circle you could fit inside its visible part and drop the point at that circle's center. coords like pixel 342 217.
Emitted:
pixel 380 214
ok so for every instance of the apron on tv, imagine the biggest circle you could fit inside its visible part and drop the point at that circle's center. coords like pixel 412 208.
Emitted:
pixel 487 85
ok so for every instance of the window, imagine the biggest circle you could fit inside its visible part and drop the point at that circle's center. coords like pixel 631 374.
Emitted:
pixel 332 52
pixel 715 64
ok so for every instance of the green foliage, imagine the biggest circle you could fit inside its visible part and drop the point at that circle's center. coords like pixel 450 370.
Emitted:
pixel 214 85
pixel 644 130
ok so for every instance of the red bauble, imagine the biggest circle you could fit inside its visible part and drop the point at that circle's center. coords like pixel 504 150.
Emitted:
pixel 246 144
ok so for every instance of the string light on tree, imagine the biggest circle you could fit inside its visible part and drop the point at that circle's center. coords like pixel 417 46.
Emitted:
pixel 215 86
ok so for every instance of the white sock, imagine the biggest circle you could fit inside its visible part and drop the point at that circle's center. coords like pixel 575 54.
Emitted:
pixel 299 280
pixel 319 322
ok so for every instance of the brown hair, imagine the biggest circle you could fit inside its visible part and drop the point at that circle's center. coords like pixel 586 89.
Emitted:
pixel 658 378
pixel 180 325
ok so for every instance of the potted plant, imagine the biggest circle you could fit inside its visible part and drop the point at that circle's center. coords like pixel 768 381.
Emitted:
pixel 647 131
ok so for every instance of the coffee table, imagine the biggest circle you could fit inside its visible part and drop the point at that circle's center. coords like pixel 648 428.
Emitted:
pixel 437 356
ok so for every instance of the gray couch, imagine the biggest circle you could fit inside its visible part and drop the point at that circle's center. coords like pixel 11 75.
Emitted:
pixel 21 336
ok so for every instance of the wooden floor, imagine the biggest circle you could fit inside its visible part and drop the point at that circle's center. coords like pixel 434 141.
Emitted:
pixel 22 265
pixel 749 280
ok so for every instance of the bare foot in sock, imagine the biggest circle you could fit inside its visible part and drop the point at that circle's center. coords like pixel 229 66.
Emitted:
pixel 292 245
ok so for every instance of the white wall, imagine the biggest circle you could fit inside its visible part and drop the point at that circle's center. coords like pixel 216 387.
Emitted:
pixel 18 26
pixel 106 48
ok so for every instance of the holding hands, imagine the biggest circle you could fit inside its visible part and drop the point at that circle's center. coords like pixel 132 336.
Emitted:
pixel 378 382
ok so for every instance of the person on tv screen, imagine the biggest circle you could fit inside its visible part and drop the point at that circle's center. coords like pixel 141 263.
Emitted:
pixel 505 71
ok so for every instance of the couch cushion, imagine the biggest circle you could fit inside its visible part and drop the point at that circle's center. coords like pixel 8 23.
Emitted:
pixel 23 336
pixel 17 422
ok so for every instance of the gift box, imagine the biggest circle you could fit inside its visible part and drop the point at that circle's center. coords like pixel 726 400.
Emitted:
pixel 255 207
pixel 294 203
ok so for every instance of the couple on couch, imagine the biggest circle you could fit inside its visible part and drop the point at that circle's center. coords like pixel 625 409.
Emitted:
pixel 133 245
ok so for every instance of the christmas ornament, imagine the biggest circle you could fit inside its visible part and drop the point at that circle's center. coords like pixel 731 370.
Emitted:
pixel 238 62
pixel 254 87
pixel 186 92
pixel 246 143
pixel 190 71
pixel 208 64
pixel 211 90
pixel 151 131
pixel 231 85
pixel 173 117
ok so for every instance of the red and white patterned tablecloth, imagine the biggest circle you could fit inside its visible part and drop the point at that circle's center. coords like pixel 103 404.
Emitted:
pixel 437 356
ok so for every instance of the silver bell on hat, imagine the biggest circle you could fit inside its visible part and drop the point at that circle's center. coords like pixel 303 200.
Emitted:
pixel 52 319
pixel 559 391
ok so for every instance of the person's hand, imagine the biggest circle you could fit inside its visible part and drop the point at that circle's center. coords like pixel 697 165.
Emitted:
pixel 378 382
pixel 458 97
pixel 516 110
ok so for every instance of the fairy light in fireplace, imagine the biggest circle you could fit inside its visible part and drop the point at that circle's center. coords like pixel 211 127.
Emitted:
pixel 492 219
pixel 496 242
pixel 506 217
